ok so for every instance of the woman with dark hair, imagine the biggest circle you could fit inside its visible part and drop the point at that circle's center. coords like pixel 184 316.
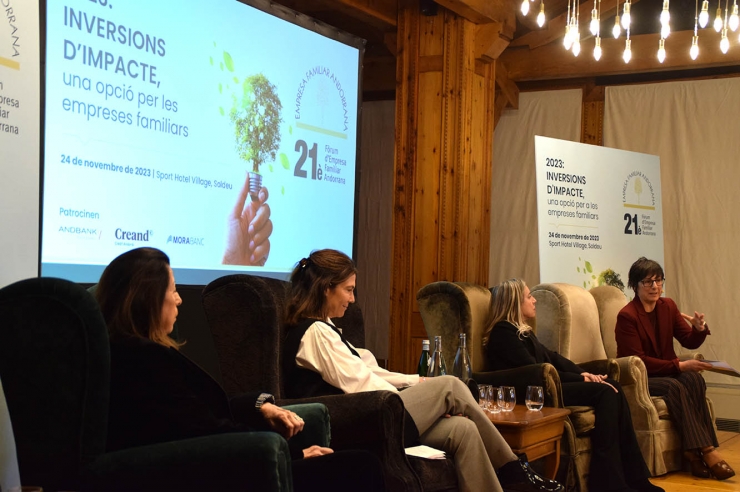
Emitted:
pixel 159 395
pixel 319 361
pixel 646 328
pixel 616 460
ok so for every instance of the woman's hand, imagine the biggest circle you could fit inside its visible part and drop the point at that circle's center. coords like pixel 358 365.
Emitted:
pixel 315 450
pixel 693 365
pixel 597 378
pixel 282 421
pixel 697 320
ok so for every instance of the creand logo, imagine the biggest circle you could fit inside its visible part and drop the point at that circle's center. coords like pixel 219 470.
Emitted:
pixel 186 240
pixel 123 235
pixel 82 232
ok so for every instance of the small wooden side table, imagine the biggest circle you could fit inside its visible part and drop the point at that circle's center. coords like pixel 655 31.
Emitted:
pixel 535 432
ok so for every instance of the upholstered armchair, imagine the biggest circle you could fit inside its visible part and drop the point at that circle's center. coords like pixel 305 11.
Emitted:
pixel 55 367
pixel 245 315
pixel 659 440
pixel 451 308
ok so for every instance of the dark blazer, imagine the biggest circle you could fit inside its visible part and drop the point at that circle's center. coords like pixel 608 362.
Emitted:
pixel 635 335
pixel 507 350
pixel 159 395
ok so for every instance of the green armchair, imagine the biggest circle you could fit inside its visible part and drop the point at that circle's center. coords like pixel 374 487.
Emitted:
pixel 54 365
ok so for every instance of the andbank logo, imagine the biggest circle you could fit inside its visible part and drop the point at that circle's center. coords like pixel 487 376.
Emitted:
pixel 82 232
pixel 186 240
pixel 123 235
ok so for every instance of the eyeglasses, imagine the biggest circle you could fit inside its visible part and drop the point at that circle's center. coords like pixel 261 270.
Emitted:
pixel 648 282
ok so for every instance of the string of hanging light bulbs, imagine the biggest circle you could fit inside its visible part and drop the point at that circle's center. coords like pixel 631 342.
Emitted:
pixel 572 38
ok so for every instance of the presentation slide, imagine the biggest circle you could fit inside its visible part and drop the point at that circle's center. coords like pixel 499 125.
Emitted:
pixel 599 209
pixel 160 115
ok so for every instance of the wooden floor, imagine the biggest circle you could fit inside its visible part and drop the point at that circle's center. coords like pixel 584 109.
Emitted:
pixel 683 481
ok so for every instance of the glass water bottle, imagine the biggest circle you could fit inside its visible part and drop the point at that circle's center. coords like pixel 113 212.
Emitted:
pixel 423 368
pixel 437 365
pixel 461 367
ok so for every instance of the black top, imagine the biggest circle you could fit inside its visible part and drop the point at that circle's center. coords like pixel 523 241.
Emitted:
pixel 158 395
pixel 300 382
pixel 507 350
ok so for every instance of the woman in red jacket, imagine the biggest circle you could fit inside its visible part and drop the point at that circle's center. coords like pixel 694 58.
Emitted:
pixel 646 328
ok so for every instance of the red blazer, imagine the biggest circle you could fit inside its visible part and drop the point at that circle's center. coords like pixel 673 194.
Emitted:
pixel 635 336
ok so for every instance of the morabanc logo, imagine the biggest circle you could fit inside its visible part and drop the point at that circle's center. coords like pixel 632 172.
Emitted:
pixel 186 240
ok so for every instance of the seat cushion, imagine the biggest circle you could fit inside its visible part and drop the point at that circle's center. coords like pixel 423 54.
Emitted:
pixel 583 419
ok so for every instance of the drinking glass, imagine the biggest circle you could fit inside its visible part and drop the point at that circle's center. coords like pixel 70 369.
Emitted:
pixel 496 396
pixel 535 398
pixel 509 398
pixel 484 396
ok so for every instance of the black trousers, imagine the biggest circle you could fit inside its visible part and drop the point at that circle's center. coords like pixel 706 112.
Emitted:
pixel 341 471
pixel 616 460
pixel 685 396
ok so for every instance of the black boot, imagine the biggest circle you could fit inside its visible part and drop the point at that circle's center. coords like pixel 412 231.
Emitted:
pixel 518 476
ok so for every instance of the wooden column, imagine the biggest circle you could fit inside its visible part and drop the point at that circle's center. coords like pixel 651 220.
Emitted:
pixel 442 196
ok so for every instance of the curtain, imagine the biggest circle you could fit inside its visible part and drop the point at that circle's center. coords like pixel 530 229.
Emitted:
pixel 692 127
pixel 514 244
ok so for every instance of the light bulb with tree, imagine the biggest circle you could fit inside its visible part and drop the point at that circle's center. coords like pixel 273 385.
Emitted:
pixel 256 118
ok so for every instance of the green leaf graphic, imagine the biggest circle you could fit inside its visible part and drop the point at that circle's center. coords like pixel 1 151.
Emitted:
pixel 211 58
pixel 228 61
pixel 282 190
pixel 271 168
pixel 221 110
pixel 220 88
pixel 578 269
pixel 221 66
pixel 589 268
pixel 284 161
pixel 236 81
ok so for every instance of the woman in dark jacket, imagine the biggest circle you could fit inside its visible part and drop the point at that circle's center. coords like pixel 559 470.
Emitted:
pixel 159 395
pixel 616 461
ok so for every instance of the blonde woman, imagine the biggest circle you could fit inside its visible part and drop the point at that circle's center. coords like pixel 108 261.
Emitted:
pixel 616 461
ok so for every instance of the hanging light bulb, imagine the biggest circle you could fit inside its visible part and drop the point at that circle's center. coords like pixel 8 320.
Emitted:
pixel 724 45
pixel 626 18
pixel 616 30
pixel 525 7
pixel 661 50
pixel 665 31
pixel 718 20
pixel 694 51
pixel 567 40
pixel 704 16
pixel 665 15
pixel 594 27
pixel 597 49
pixel 541 15
pixel 627 55
pixel 577 44
pixel 734 19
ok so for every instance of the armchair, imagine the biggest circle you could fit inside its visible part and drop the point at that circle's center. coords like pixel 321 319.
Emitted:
pixel 55 366
pixel 245 315
pixel 659 440
pixel 451 308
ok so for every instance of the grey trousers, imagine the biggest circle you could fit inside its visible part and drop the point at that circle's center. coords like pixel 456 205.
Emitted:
pixel 475 444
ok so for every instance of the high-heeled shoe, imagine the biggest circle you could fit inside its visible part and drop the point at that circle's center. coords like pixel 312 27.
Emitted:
pixel 697 467
pixel 721 470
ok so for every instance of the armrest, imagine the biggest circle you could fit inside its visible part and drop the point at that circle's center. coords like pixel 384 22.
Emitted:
pixel 544 375
pixel 316 428
pixel 610 367
pixel 633 378
pixel 231 461
pixel 372 420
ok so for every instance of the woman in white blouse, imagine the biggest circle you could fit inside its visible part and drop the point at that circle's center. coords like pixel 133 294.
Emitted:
pixel 320 361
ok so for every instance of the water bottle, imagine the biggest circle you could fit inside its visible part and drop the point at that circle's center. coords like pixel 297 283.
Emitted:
pixel 423 369
pixel 437 365
pixel 461 368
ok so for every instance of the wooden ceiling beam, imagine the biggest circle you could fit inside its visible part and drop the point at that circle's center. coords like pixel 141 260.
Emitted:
pixel 382 14
pixel 554 62
pixel 555 28
pixel 490 41
pixel 482 11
